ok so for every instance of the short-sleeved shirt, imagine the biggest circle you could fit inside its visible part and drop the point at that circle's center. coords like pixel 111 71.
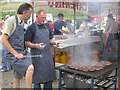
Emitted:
pixel 111 26
pixel 57 26
pixel 10 25
pixel 31 30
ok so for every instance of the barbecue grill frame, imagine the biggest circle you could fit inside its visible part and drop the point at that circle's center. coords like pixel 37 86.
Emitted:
pixel 96 75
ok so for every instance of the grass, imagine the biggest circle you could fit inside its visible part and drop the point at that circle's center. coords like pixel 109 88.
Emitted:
pixel 8 9
pixel 9 6
pixel 68 13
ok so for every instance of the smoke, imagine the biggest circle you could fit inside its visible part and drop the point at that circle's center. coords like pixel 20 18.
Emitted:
pixel 83 54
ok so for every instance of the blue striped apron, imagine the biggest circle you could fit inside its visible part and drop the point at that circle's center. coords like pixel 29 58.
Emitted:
pixel 43 66
pixel 17 42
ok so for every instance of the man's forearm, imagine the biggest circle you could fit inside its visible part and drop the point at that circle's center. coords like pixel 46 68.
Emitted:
pixel 31 45
pixel 7 45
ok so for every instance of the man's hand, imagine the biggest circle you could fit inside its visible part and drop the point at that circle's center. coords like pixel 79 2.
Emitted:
pixel 54 42
pixel 40 46
pixel 19 56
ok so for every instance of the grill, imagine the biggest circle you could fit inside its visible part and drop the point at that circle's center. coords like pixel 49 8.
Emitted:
pixel 72 78
pixel 69 78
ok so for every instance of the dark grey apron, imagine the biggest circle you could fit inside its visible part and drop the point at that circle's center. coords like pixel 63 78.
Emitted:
pixel 17 42
pixel 44 66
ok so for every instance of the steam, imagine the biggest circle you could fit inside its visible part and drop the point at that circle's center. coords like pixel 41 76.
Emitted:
pixel 83 54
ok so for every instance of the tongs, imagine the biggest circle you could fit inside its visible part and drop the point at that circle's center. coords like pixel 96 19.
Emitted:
pixel 34 56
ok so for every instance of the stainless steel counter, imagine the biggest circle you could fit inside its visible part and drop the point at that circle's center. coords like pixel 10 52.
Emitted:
pixel 76 40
